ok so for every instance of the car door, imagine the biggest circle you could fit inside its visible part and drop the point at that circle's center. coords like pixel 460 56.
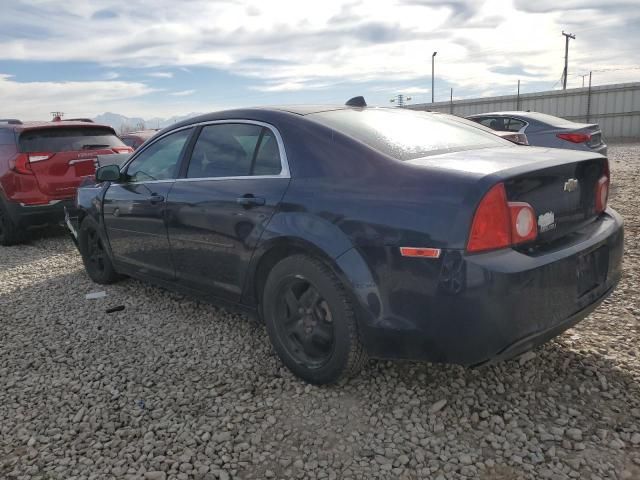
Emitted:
pixel 134 209
pixel 234 179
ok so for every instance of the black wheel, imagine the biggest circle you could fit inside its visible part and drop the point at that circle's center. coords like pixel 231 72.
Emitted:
pixel 94 255
pixel 311 321
pixel 10 233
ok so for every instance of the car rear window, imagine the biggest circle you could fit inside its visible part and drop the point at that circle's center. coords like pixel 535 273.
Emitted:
pixel 407 135
pixel 64 139
pixel 549 119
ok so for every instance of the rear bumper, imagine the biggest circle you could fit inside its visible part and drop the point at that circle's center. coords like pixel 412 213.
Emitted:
pixel 491 306
pixel 30 216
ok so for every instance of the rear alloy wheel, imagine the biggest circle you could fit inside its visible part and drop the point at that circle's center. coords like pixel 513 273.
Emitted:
pixel 10 233
pixel 94 254
pixel 311 322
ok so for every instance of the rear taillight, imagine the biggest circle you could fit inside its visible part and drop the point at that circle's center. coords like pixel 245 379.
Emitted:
pixel 122 149
pixel 499 223
pixel 575 137
pixel 22 163
pixel 602 189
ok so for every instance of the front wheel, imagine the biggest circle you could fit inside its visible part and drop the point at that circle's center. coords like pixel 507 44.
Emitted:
pixel 311 321
pixel 94 254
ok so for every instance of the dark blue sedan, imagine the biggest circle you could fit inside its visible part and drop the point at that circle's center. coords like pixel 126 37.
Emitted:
pixel 359 232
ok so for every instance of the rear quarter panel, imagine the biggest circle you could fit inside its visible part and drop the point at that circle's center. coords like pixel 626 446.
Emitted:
pixel 355 207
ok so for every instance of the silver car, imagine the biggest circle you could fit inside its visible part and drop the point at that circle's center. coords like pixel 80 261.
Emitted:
pixel 544 130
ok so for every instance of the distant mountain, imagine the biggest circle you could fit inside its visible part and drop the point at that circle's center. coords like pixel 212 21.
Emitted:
pixel 122 123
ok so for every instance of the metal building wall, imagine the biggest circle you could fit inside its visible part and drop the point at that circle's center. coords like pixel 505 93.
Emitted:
pixel 616 108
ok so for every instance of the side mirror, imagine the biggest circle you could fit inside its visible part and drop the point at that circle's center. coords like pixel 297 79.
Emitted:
pixel 108 173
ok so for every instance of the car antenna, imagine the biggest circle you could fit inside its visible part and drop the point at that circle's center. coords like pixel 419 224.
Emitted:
pixel 356 102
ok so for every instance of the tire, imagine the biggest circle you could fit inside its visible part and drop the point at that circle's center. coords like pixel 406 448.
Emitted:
pixel 10 233
pixel 95 258
pixel 311 321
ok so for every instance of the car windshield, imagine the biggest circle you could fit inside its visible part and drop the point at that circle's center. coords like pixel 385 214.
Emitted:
pixel 407 135
pixel 64 139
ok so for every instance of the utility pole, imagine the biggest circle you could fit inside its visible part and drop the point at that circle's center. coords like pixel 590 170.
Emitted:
pixel 451 102
pixel 589 100
pixel 433 83
pixel 400 100
pixel 567 36
pixel 585 75
pixel 518 97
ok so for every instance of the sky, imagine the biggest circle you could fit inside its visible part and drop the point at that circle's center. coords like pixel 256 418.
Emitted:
pixel 158 58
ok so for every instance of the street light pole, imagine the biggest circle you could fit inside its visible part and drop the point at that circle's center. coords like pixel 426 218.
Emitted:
pixel 433 61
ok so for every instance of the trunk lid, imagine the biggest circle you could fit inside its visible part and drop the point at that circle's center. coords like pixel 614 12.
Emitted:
pixel 61 156
pixel 560 185
pixel 562 196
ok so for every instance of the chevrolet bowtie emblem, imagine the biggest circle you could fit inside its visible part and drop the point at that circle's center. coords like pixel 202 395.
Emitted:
pixel 571 185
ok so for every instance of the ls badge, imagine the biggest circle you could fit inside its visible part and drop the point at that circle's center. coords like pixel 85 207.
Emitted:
pixel 571 185
pixel 546 222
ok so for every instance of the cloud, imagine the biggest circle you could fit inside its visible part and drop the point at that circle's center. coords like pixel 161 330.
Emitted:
pixel 104 15
pixel 160 74
pixel 183 93
pixel 34 100
pixel 414 90
pixel 546 6
pixel 286 48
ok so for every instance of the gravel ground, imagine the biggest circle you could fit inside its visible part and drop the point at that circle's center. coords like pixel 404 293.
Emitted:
pixel 171 388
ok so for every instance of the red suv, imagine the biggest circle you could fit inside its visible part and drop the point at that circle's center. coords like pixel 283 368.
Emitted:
pixel 41 165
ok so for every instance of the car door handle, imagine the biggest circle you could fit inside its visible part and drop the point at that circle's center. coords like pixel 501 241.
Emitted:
pixel 249 201
pixel 153 199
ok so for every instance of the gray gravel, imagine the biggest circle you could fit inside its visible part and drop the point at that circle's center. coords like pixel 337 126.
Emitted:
pixel 171 388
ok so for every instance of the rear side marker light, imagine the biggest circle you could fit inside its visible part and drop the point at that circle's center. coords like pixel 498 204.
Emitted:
pixel 420 252
pixel 498 223
pixel 602 194
pixel 575 137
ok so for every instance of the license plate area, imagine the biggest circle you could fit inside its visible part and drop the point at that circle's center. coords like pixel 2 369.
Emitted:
pixel 591 271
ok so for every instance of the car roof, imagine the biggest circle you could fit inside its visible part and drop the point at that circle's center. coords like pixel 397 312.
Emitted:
pixel 305 109
pixel 269 114
pixel 141 133
pixel 266 111
pixel 19 127
pixel 501 114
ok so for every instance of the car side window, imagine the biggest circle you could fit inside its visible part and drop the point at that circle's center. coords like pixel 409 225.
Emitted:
pixel 268 156
pixel 234 150
pixel 491 122
pixel 160 160
pixel 514 125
